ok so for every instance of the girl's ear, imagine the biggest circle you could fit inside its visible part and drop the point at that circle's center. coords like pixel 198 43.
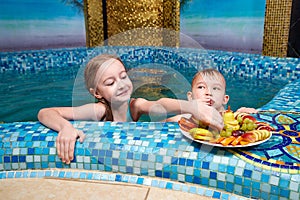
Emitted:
pixel 226 99
pixel 95 93
pixel 189 95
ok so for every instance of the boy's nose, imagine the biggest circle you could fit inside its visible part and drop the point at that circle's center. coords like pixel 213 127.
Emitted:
pixel 207 92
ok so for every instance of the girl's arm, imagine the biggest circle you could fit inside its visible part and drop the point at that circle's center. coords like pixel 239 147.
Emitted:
pixel 57 118
pixel 201 111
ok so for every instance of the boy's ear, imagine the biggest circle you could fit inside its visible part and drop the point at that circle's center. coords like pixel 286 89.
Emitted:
pixel 226 99
pixel 189 95
pixel 95 93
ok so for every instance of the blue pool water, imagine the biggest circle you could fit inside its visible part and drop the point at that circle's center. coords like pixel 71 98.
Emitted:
pixel 23 94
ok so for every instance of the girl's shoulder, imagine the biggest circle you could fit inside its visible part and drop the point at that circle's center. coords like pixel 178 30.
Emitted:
pixel 100 110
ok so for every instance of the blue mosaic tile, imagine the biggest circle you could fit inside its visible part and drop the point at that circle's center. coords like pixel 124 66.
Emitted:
pixel 230 173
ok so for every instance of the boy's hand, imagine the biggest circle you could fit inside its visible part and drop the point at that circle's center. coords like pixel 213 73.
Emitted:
pixel 65 143
pixel 247 110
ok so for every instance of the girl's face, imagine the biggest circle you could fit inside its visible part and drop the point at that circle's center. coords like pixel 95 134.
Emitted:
pixel 113 82
pixel 210 90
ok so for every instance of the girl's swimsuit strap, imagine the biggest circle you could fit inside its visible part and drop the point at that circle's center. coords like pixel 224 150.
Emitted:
pixel 128 114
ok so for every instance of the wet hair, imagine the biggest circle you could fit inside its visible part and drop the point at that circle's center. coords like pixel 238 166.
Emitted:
pixel 209 72
pixel 90 74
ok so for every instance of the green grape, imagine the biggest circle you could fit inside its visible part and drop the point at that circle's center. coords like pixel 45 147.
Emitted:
pixel 244 127
pixel 250 126
pixel 229 129
pixel 228 133
pixel 255 126
pixel 223 133
pixel 240 119
pixel 247 120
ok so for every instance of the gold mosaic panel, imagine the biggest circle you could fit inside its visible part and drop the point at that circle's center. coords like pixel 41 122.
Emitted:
pixel 134 23
pixel 93 15
pixel 276 27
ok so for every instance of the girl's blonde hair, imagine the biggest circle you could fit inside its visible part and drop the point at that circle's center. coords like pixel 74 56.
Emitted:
pixel 93 66
pixel 210 72
pixel 90 73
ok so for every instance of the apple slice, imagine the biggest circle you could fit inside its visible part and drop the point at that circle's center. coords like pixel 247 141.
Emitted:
pixel 250 118
pixel 249 137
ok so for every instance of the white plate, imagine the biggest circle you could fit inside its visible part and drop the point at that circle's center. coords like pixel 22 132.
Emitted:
pixel 188 135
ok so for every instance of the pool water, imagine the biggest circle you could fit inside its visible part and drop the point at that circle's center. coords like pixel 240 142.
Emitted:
pixel 24 94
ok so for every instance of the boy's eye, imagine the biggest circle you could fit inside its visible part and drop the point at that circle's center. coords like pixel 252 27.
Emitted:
pixel 201 87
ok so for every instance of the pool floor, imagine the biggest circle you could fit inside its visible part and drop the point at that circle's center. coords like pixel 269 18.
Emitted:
pixel 56 188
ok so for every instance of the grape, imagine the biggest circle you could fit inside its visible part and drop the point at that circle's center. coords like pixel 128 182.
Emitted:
pixel 247 120
pixel 228 133
pixel 240 119
pixel 237 133
pixel 250 126
pixel 223 133
pixel 229 129
pixel 244 127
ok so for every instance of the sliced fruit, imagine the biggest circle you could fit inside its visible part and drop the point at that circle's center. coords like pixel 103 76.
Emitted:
pixel 250 117
pixel 201 132
pixel 249 137
pixel 227 141
pixel 242 142
pixel 201 137
pixel 220 139
pixel 237 140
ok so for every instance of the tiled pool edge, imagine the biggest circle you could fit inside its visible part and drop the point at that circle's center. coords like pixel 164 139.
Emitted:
pixel 154 150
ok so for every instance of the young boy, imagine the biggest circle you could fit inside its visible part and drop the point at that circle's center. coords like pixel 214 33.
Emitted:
pixel 209 86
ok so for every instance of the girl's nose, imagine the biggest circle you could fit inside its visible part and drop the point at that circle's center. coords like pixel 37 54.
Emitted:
pixel 121 84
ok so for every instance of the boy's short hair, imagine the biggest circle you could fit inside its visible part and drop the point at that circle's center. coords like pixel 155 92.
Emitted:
pixel 209 72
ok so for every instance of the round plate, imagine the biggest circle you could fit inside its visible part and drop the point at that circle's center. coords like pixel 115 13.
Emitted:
pixel 188 135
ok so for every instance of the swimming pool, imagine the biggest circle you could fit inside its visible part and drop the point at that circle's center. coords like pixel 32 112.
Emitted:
pixel 25 91
pixel 139 153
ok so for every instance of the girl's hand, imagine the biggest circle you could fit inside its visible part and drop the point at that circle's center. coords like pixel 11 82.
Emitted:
pixel 208 115
pixel 65 143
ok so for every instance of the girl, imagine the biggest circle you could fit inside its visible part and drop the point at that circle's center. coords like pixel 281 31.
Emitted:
pixel 106 79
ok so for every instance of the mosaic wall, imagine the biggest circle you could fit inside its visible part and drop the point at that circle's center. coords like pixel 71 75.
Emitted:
pixel 94 23
pixel 132 23
pixel 277 26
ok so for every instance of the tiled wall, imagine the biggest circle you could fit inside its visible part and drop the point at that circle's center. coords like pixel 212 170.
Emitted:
pixel 248 65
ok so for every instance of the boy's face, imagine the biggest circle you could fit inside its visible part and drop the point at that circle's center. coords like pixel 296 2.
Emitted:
pixel 210 90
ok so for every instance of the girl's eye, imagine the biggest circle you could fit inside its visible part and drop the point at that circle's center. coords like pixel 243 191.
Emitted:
pixel 123 75
pixel 109 82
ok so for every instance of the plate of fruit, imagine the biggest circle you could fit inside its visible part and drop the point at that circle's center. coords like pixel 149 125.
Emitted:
pixel 240 130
